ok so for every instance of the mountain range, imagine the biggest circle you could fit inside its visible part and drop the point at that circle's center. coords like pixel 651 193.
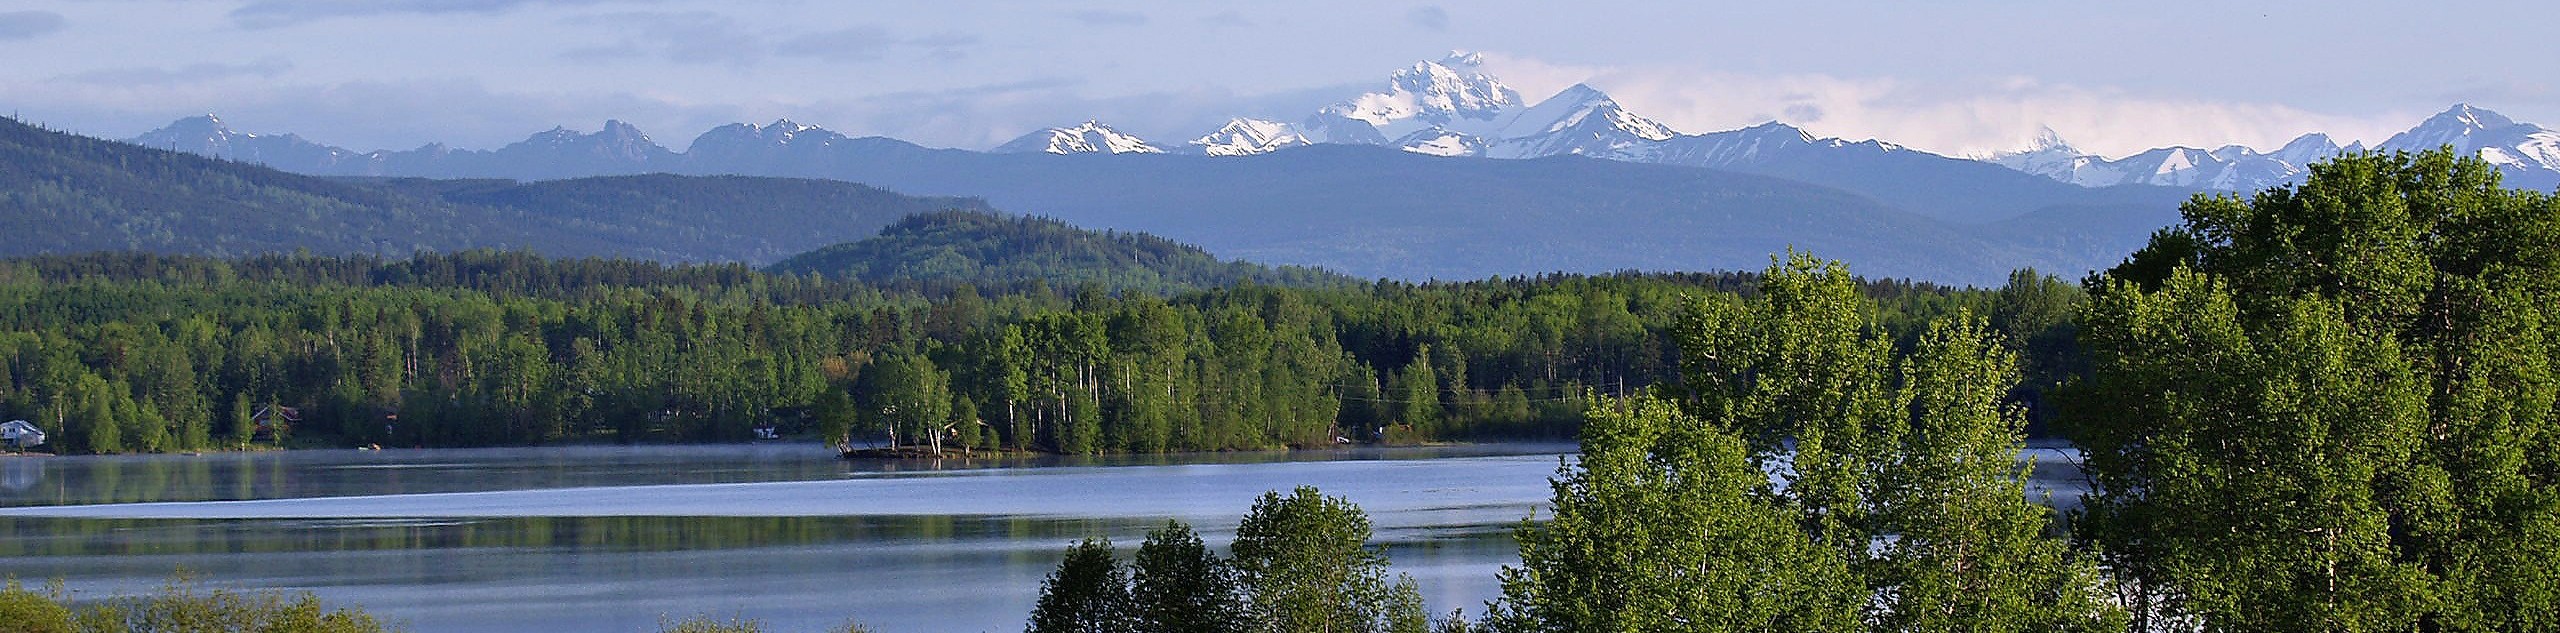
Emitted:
pixel 1450 107
pixel 2528 154
pixel 1446 107
pixel 1368 211
pixel 1446 172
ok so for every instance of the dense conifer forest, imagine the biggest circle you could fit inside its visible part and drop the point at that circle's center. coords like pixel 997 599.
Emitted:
pixel 145 353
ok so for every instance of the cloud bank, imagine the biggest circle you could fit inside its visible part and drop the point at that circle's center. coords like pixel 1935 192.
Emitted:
pixel 1956 118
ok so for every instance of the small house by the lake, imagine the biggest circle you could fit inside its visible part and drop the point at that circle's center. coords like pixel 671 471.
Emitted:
pixel 274 421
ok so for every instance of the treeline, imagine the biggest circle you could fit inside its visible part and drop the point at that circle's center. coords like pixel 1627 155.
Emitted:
pixel 1896 504
pixel 123 353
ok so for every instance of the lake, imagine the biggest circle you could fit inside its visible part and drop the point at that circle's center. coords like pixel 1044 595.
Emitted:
pixel 620 538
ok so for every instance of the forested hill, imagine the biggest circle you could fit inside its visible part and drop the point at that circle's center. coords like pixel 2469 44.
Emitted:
pixel 63 193
pixel 697 218
pixel 994 252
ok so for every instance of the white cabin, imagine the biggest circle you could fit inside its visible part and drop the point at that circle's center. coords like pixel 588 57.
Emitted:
pixel 20 435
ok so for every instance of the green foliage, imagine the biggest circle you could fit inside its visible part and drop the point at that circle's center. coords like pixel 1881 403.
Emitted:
pixel 1177 585
pixel 1805 368
pixel 1898 504
pixel 938 251
pixel 120 352
pixel 1087 594
pixel 28 611
pixel 1666 524
pixel 1970 552
pixel 182 607
pixel 1306 563
pixel 2330 406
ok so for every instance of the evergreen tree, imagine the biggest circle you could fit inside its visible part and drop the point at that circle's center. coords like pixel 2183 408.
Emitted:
pixel 244 423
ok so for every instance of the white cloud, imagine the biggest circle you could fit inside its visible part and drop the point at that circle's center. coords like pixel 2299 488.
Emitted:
pixel 1954 118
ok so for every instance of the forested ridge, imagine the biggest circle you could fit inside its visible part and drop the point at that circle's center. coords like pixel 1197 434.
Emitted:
pixel 63 193
pixel 943 249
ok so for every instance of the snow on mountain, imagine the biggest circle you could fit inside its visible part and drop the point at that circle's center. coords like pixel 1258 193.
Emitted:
pixel 2228 168
pixel 2526 152
pixel 2462 126
pixel 2052 157
pixel 208 136
pixel 778 147
pixel 1452 93
pixel 1734 147
pixel 1579 120
pixel 1437 141
pixel 2529 155
pixel 781 132
pixel 1092 137
pixel 1246 137
pixel 2311 148
pixel 618 141
pixel 1329 127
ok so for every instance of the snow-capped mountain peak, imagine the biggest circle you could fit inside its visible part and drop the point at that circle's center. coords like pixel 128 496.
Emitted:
pixel 736 140
pixel 205 134
pixel 1091 137
pixel 2048 140
pixel 1245 137
pixel 208 135
pixel 1578 105
pixel 2529 155
pixel 2455 126
pixel 2052 157
pixel 2306 149
pixel 1580 120
pixel 1452 93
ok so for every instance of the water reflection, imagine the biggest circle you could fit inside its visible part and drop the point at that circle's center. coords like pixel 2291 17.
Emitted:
pixel 614 538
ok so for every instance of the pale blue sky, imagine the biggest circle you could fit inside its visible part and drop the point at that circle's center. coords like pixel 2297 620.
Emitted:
pixel 1947 75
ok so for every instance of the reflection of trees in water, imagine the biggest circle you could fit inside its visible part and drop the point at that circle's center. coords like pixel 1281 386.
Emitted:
pixel 20 474
pixel 152 537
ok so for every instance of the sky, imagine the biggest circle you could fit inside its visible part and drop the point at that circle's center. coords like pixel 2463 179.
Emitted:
pixel 1951 76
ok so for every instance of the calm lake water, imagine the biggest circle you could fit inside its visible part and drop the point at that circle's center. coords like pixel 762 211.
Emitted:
pixel 619 538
